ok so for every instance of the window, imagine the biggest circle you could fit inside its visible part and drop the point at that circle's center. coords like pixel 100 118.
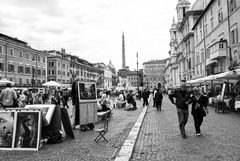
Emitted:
pixel 232 5
pixel 198 59
pixel 219 2
pixel 1 66
pixel 51 64
pixel 39 72
pixel 27 56
pixel 220 17
pixel 20 80
pixel 211 11
pixel 234 36
pixel 27 81
pixel 33 57
pixel 20 69
pixel 10 68
pixel 1 49
pixel 212 24
pixel 33 71
pixel 206 31
pixel 20 54
pixel 11 51
pixel 27 70
pixel 43 72
pixel 44 59
pixel 63 65
pixel 202 56
pixel 39 58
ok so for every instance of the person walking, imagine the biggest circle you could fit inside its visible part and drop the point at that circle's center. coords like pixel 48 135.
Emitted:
pixel 154 97
pixel 145 96
pixel 8 97
pixel 158 99
pixel 199 108
pixel 182 100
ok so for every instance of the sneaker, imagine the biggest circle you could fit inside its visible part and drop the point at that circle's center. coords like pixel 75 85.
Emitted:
pixel 199 134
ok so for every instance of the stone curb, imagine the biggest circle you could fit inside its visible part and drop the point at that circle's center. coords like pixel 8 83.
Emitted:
pixel 126 150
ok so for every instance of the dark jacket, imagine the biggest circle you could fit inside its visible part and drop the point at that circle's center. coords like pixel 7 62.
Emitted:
pixel 202 103
pixel 181 98
pixel 158 97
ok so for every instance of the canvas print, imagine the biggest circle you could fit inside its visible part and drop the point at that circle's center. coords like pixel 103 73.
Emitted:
pixel 47 110
pixel 27 134
pixel 87 91
pixel 6 129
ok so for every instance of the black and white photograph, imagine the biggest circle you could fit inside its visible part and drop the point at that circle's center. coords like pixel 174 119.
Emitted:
pixel 120 80
pixel 6 130
pixel 28 126
pixel 47 110
pixel 87 91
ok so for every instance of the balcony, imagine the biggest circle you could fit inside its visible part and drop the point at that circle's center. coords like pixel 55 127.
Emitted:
pixel 218 54
pixel 210 61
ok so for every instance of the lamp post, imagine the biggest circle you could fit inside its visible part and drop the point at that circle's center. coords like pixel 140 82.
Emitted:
pixel 137 72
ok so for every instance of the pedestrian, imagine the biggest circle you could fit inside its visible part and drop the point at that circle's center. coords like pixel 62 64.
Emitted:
pixel 75 104
pixel 145 96
pixel 182 100
pixel 154 97
pixel 158 99
pixel 8 97
pixel 65 97
pixel 199 108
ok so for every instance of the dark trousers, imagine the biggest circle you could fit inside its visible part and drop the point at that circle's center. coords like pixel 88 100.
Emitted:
pixel 182 119
pixel 145 102
pixel 159 105
pixel 197 123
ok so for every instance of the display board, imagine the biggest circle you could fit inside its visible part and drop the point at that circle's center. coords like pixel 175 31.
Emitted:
pixel 87 92
pixel 20 129
pixel 47 110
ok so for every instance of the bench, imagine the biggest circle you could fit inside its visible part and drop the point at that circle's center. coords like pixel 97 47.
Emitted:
pixel 104 114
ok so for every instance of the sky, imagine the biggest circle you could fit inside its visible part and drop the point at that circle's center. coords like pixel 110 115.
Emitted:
pixel 92 29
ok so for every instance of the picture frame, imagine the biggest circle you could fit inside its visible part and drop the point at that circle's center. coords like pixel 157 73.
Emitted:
pixel 87 92
pixel 27 132
pixel 6 130
pixel 47 110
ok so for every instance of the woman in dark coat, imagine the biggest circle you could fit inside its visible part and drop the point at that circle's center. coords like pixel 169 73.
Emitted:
pixel 158 99
pixel 199 108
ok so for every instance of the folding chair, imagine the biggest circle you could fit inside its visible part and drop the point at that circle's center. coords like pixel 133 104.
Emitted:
pixel 102 131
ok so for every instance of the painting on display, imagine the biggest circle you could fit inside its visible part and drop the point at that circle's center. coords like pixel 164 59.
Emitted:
pixel 46 109
pixel 6 130
pixel 28 130
pixel 87 91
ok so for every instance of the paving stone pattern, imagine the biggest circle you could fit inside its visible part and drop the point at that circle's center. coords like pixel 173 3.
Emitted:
pixel 159 137
pixel 83 148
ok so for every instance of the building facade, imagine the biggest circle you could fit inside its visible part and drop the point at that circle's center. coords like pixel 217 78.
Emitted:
pixel 153 73
pixel 20 63
pixel 216 37
pixel 134 78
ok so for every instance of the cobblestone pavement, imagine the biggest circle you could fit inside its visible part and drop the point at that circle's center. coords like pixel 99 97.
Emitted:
pixel 83 147
pixel 159 137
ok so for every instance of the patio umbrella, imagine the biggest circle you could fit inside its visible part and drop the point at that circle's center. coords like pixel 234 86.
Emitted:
pixel 231 75
pixel 4 81
pixel 52 84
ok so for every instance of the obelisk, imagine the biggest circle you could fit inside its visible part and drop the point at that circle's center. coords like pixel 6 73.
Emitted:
pixel 123 52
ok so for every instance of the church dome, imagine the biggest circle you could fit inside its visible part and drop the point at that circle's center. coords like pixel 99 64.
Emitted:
pixel 198 5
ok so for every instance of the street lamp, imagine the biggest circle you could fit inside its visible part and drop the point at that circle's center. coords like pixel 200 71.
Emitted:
pixel 137 72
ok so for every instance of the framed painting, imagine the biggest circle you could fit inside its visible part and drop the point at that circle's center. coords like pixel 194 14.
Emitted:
pixel 46 109
pixel 6 130
pixel 87 91
pixel 28 129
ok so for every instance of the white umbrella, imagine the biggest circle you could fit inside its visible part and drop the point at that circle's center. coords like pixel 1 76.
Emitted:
pixel 52 84
pixel 4 81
